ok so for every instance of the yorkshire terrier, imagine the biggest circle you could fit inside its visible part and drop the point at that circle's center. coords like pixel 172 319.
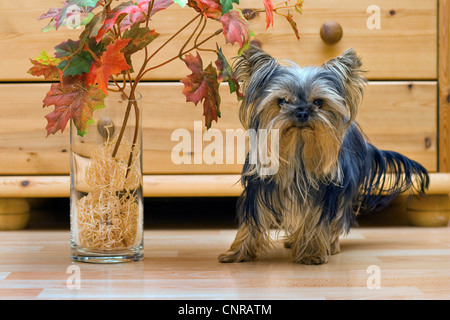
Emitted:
pixel 328 171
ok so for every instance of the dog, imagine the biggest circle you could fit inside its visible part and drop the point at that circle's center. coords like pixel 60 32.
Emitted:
pixel 328 170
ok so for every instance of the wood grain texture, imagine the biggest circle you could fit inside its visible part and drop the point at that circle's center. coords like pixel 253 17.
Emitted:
pixel 429 211
pixel 444 86
pixel 399 116
pixel 414 263
pixel 403 48
pixel 224 185
pixel 204 185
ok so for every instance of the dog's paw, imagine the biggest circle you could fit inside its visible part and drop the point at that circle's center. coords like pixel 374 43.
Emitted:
pixel 234 256
pixel 312 260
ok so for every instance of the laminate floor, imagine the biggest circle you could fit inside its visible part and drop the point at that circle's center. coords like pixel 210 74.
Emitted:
pixel 374 263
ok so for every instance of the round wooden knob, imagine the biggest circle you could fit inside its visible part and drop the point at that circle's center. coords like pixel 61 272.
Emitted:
pixel 331 32
pixel 249 14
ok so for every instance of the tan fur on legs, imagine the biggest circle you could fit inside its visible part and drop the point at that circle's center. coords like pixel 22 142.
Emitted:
pixel 314 250
pixel 247 245
pixel 335 248
pixel 311 240
pixel 334 241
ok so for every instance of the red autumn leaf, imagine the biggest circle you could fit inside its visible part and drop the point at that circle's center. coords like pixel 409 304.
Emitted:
pixel 49 72
pixel 138 15
pixel 291 21
pixel 72 100
pixel 209 8
pixel 202 85
pixel 111 18
pixel 133 13
pixel 236 29
pixel 211 104
pixel 110 63
pixel 268 5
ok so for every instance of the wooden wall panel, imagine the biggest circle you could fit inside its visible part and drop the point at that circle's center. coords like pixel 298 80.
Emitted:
pixel 444 86
pixel 400 116
pixel 403 48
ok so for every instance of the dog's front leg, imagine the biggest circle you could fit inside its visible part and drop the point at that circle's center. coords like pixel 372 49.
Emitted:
pixel 247 245
pixel 311 245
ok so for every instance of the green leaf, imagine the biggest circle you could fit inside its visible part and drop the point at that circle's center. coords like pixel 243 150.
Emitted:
pixel 78 64
pixel 46 59
pixel 181 3
pixel 77 60
pixel 225 73
pixel 84 3
pixel 227 5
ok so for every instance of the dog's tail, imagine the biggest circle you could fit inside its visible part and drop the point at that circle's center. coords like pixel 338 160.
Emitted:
pixel 388 174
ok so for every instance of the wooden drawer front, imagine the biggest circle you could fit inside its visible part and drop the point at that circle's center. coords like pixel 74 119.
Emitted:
pixel 405 47
pixel 399 116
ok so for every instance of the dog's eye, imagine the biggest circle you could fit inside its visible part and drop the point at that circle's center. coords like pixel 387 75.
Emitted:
pixel 318 102
pixel 281 102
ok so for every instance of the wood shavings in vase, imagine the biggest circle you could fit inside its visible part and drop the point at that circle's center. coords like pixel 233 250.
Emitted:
pixel 108 217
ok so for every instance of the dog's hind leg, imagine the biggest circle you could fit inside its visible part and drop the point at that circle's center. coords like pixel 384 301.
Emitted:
pixel 334 240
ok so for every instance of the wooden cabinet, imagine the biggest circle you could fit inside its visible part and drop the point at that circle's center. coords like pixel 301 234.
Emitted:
pixel 406 59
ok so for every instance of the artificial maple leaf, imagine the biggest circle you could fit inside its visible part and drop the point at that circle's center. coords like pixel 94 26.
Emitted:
pixel 112 62
pixel 93 27
pixel 291 21
pixel 129 14
pixel 77 11
pixel 72 100
pixel 77 61
pixel 181 3
pixel 139 39
pixel 202 85
pixel 111 17
pixel 225 73
pixel 46 66
pixel 236 29
pixel 209 8
pixel 139 15
pixel 268 5
pixel 299 6
pixel 211 104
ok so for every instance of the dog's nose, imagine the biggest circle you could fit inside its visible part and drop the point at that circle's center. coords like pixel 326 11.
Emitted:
pixel 302 115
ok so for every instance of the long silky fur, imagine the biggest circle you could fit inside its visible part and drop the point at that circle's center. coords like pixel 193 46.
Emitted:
pixel 328 170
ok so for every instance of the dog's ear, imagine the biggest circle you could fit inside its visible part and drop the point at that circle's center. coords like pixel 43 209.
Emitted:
pixel 347 68
pixel 252 69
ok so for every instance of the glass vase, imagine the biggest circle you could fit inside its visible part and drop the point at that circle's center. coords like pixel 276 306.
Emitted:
pixel 106 184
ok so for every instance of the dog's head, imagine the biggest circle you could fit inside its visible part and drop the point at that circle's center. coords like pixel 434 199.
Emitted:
pixel 310 106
